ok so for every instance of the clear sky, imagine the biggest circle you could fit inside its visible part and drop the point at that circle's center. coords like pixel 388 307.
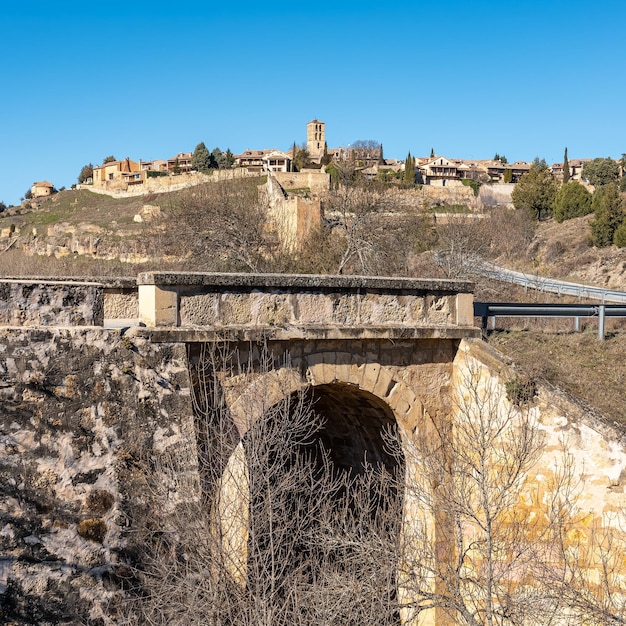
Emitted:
pixel 83 80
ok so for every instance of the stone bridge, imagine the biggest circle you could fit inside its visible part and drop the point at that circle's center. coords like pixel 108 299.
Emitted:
pixel 94 373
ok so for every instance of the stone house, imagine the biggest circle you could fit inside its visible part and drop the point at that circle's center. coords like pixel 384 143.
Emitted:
pixel 277 161
pixel 263 160
pixel 575 169
pixel 42 189
pixel 156 165
pixel 442 172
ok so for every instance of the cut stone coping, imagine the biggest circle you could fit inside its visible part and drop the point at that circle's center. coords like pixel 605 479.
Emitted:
pixel 299 333
pixel 109 282
pixel 302 282
pixel 47 281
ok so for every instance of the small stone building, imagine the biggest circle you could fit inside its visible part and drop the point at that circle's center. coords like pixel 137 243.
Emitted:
pixel 42 189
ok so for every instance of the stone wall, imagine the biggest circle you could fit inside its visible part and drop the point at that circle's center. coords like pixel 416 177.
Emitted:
pixel 581 467
pixel 81 412
pixel 283 300
pixel 51 303
pixel 163 184
pixel 496 195
pixel 316 180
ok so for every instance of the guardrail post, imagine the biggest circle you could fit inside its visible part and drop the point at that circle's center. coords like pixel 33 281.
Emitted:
pixel 576 324
pixel 601 311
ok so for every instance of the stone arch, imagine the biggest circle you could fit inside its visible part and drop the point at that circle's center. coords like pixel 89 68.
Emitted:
pixel 331 377
pixel 324 368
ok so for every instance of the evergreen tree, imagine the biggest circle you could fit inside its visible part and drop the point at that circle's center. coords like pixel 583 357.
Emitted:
pixel 572 200
pixel 85 173
pixel 432 153
pixel 201 159
pixel 217 158
pixel 601 171
pixel 536 190
pixel 565 167
pixel 230 158
pixel 409 169
pixel 326 158
pixel 608 207
pixel 381 160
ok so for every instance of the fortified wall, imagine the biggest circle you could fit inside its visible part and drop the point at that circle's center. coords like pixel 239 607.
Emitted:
pixel 97 387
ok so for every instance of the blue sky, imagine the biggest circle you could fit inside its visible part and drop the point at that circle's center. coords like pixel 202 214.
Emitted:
pixel 81 81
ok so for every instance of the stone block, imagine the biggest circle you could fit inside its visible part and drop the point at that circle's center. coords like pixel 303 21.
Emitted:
pixel 157 306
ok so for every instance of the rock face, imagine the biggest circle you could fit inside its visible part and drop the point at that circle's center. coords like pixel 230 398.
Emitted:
pixel 77 409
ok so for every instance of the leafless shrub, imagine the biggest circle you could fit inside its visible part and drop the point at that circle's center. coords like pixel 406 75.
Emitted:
pixel 222 227
pixel 272 532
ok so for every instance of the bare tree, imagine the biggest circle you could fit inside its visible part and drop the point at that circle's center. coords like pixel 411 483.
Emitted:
pixel 222 227
pixel 461 245
pixel 267 531
pixel 588 576
pixel 364 232
pixel 262 527
pixel 473 553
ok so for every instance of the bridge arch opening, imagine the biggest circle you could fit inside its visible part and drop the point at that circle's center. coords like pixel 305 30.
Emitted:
pixel 355 426
pixel 325 493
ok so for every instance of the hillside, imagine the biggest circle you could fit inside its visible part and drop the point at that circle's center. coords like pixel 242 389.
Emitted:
pixel 63 229
pixel 563 251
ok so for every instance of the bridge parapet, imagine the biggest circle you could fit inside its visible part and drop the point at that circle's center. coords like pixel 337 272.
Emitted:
pixel 44 302
pixel 282 301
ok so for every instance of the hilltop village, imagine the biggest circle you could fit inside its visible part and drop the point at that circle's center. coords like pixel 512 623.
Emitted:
pixel 366 157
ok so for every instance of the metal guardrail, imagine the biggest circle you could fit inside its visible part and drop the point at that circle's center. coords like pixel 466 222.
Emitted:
pixel 485 310
pixel 551 285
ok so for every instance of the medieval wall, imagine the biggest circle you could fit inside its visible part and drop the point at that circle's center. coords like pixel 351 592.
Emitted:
pixel 316 181
pixel 162 184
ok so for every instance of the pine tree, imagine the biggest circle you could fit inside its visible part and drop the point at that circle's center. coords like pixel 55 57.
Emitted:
pixel 565 167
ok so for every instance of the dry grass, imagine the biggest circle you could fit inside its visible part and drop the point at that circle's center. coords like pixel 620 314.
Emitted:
pixel 548 349
pixel 578 363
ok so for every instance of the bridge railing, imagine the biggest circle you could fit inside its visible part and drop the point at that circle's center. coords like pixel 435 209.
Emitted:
pixel 550 285
pixel 486 310
pixel 175 299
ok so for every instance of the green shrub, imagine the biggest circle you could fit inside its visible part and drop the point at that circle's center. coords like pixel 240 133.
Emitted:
pixel 572 200
pixel 474 184
pixel 520 390
pixel 619 237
